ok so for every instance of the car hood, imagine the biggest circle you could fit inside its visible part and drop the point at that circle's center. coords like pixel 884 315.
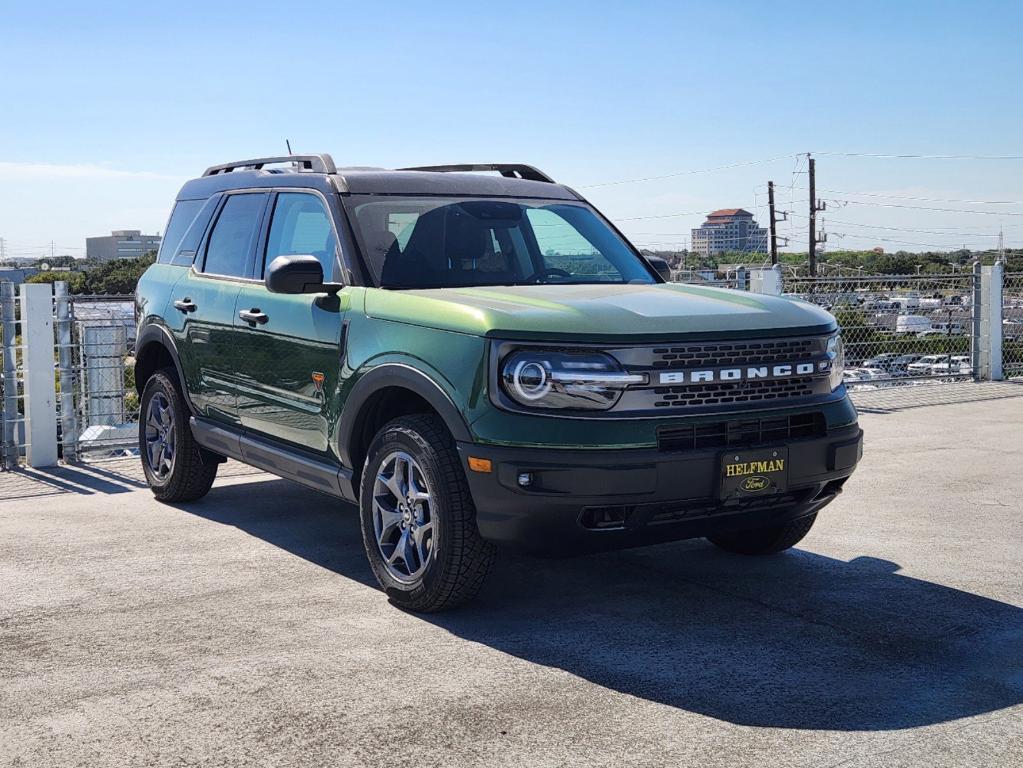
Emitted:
pixel 598 312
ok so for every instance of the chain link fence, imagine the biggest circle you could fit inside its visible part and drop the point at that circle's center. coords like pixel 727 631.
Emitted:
pixel 899 330
pixel 1012 325
pixel 12 423
pixel 101 347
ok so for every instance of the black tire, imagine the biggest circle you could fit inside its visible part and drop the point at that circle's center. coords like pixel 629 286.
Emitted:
pixel 767 540
pixel 459 559
pixel 190 476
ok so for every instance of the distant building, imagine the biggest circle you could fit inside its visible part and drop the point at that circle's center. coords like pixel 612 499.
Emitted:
pixel 121 244
pixel 16 275
pixel 730 229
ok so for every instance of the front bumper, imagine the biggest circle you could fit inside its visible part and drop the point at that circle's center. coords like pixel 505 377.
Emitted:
pixel 581 500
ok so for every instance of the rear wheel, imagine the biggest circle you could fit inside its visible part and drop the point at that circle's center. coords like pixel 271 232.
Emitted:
pixel 171 459
pixel 766 540
pixel 418 518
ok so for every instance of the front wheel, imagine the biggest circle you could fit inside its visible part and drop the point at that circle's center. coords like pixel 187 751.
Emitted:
pixel 766 540
pixel 173 462
pixel 418 518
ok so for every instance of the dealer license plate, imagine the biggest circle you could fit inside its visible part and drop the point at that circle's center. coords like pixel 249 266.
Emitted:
pixel 746 474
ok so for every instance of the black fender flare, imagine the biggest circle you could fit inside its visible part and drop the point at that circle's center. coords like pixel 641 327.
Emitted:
pixel 157 334
pixel 406 377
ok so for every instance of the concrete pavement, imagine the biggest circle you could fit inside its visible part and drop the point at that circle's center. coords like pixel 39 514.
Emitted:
pixel 246 630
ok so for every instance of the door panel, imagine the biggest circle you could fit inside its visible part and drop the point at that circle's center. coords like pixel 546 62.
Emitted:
pixel 203 304
pixel 287 368
pixel 204 330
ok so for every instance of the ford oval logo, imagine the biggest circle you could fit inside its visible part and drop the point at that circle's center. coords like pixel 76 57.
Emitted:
pixel 755 483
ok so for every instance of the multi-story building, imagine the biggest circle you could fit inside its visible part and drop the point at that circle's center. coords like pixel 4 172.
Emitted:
pixel 730 229
pixel 121 244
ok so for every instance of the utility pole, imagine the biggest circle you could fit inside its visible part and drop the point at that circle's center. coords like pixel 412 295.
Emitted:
pixel 3 249
pixel 815 208
pixel 774 223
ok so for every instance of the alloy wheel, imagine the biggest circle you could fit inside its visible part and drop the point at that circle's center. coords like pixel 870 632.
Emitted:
pixel 160 436
pixel 403 518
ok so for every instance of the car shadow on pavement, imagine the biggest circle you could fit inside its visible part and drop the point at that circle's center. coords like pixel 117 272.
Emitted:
pixel 797 640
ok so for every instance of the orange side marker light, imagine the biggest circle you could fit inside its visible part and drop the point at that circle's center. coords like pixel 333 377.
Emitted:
pixel 480 465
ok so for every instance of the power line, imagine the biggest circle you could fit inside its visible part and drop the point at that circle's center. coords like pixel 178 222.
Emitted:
pixel 663 216
pixel 927 208
pixel 894 156
pixel 686 173
pixel 948 231
pixel 924 199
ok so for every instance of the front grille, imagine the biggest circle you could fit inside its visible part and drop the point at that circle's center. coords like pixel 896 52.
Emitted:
pixel 734 353
pixel 741 433
pixel 720 393
pixel 723 375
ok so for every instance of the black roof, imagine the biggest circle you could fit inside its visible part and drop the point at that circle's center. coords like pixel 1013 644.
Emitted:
pixel 376 181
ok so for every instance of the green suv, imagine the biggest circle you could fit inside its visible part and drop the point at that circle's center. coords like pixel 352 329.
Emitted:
pixel 476 360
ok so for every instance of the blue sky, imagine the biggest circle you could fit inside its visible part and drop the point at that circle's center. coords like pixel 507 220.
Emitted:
pixel 108 107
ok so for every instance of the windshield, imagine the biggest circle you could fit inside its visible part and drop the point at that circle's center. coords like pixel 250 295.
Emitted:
pixel 421 242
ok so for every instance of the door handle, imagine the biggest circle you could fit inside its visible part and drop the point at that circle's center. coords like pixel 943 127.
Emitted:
pixel 253 316
pixel 185 305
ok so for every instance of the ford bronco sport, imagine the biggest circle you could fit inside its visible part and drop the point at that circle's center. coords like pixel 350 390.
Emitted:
pixel 477 359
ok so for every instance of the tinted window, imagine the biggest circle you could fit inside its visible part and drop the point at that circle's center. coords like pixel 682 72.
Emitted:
pixel 434 242
pixel 181 219
pixel 227 252
pixel 301 225
pixel 193 237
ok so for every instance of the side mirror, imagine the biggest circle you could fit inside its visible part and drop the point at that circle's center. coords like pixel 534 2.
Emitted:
pixel 297 274
pixel 661 267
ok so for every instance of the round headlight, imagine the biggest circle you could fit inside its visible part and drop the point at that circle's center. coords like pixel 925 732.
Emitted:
pixel 530 379
pixel 547 379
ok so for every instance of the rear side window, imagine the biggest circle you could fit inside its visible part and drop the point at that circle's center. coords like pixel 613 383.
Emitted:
pixel 230 242
pixel 193 237
pixel 181 219
pixel 301 226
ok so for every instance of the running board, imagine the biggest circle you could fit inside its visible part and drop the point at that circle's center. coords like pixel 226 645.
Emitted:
pixel 291 464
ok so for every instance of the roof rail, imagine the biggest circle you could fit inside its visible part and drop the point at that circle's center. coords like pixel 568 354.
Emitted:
pixel 314 163
pixel 509 170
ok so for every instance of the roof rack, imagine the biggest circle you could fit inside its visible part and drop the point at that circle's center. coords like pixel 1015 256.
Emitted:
pixel 509 170
pixel 314 163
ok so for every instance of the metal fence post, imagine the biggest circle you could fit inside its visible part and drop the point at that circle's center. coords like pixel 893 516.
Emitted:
pixel 40 383
pixel 991 279
pixel 65 362
pixel 975 316
pixel 10 328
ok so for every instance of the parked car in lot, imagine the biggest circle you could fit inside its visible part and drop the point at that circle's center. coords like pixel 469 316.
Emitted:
pixel 938 365
pixel 912 324
pixel 900 365
pixel 881 361
pixel 872 374
pixel 476 360
pixel 957 364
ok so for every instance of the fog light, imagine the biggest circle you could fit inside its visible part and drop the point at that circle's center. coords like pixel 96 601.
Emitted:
pixel 525 479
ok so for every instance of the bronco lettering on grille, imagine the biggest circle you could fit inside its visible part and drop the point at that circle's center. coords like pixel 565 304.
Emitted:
pixel 712 375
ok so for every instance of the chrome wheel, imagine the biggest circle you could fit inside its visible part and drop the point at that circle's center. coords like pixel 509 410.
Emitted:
pixel 403 519
pixel 160 436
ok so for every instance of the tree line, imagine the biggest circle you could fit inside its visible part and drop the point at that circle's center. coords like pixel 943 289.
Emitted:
pixel 109 278
pixel 847 262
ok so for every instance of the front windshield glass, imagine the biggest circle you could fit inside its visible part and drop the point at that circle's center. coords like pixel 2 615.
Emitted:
pixel 420 242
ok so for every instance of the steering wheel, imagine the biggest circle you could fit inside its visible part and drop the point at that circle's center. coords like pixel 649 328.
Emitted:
pixel 549 271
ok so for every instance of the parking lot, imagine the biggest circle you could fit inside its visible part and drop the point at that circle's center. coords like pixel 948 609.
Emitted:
pixel 245 629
